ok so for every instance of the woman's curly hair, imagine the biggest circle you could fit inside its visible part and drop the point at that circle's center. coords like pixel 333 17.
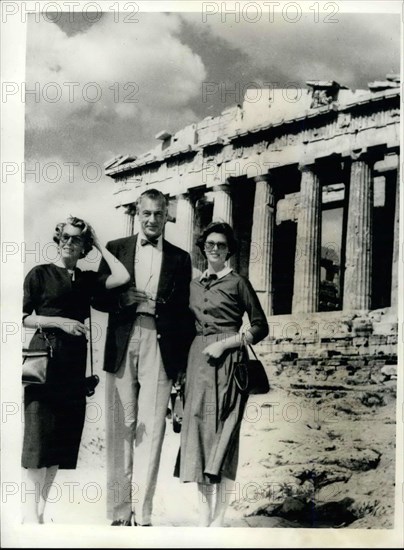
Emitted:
pixel 86 233
pixel 218 227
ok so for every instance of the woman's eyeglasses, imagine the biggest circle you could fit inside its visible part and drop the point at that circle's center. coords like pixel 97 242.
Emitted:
pixel 155 299
pixel 159 300
pixel 75 239
pixel 210 245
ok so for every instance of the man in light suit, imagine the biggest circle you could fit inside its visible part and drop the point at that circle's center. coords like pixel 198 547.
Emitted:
pixel 148 336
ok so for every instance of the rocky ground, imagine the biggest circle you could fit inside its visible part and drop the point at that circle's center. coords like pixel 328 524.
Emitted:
pixel 326 458
pixel 311 456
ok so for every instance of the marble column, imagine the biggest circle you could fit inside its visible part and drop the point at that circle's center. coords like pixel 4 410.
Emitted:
pixel 396 244
pixel 129 218
pixel 223 211
pixel 358 261
pixel 185 222
pixel 307 256
pixel 222 206
pixel 260 265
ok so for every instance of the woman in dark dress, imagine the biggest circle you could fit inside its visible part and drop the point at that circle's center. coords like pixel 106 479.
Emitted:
pixel 56 303
pixel 210 433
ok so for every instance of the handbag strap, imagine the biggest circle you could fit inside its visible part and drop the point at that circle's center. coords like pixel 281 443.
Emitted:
pixel 91 343
pixel 244 343
pixel 252 349
pixel 43 334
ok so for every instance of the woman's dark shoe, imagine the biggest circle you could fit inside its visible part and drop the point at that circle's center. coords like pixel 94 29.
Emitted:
pixel 122 522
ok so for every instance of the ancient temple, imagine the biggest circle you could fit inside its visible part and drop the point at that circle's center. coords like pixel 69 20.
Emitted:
pixel 309 180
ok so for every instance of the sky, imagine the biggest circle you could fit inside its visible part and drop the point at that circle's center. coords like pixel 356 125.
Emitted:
pixel 106 87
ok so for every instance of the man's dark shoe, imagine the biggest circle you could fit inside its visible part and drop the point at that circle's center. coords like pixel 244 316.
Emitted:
pixel 124 522
pixel 144 525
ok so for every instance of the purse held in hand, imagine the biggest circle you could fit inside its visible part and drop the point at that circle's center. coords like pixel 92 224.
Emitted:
pixel 178 409
pixel 249 374
pixel 34 366
pixel 35 363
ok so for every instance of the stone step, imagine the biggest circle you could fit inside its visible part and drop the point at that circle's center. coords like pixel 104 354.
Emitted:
pixel 351 361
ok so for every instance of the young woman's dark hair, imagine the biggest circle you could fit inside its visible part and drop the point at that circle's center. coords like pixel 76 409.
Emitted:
pixel 218 227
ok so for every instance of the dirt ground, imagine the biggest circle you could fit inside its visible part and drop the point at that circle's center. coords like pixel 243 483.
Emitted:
pixel 307 459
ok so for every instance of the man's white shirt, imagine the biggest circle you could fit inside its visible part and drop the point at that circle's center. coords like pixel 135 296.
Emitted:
pixel 148 260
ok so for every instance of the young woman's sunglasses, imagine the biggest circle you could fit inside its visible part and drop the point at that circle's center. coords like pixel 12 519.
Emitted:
pixel 210 245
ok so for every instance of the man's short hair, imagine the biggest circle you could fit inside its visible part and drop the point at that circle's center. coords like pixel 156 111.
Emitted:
pixel 154 195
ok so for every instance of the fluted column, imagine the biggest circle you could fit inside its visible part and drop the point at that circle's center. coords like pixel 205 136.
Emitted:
pixel 260 272
pixel 128 221
pixel 396 244
pixel 222 206
pixel 358 262
pixel 185 222
pixel 223 210
pixel 307 257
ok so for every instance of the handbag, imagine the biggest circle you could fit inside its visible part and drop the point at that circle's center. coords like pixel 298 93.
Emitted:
pixel 249 374
pixel 178 409
pixel 35 363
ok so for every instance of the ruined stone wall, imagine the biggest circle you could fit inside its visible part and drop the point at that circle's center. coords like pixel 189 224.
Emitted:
pixel 356 135
pixel 216 148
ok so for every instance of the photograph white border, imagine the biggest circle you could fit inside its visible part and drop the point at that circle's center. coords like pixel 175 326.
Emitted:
pixel 15 535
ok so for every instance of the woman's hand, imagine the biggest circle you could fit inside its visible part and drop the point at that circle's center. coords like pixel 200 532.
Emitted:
pixel 72 326
pixel 214 350
pixel 119 274
pixel 96 241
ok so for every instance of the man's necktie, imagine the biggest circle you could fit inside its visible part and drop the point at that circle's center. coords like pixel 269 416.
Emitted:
pixel 144 242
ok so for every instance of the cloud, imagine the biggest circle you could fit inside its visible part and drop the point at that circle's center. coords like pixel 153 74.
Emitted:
pixel 54 190
pixel 115 73
pixel 149 78
pixel 145 78
pixel 354 50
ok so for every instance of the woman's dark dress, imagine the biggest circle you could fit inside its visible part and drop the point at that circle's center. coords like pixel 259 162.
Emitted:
pixel 209 443
pixel 55 411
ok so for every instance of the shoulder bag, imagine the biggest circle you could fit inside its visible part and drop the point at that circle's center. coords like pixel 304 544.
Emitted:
pixel 35 362
pixel 249 374
pixel 177 405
